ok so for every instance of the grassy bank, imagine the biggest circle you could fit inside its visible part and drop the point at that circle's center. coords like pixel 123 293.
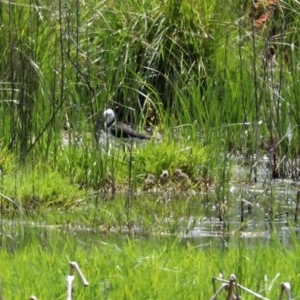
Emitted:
pixel 135 269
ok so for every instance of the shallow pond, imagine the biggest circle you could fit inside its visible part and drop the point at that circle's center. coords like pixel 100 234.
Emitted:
pixel 220 216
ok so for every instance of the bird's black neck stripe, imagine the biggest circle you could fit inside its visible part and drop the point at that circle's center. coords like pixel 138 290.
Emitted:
pixel 110 124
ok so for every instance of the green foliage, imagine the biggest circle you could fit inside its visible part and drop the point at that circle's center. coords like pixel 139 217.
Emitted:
pixel 170 155
pixel 192 63
pixel 137 268
pixel 195 70
pixel 40 187
pixel 192 68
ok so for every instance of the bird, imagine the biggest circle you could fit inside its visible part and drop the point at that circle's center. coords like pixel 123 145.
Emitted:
pixel 181 179
pixel 149 182
pixel 164 177
pixel 120 130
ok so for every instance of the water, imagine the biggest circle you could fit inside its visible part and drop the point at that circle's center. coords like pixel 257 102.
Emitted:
pixel 219 217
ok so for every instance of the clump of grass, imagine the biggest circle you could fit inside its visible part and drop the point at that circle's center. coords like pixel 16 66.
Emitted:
pixel 170 155
pixel 40 187
pixel 98 167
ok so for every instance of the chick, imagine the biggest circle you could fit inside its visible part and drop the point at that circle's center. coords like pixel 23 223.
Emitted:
pixel 181 179
pixel 149 182
pixel 164 177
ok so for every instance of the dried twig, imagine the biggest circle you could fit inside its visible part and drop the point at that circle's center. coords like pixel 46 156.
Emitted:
pixel 285 287
pixel 74 267
pixel 233 289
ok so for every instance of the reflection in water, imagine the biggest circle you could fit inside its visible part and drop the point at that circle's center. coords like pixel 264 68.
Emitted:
pixel 253 214
pixel 201 232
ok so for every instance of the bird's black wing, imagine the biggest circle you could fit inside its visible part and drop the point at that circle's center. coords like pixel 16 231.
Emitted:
pixel 122 130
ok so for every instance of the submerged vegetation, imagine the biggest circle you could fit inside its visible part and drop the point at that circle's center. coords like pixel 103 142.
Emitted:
pixel 216 85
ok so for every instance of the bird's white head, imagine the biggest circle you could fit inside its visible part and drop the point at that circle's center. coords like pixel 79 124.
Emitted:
pixel 109 116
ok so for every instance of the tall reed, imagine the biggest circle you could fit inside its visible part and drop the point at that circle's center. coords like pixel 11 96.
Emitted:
pixel 200 70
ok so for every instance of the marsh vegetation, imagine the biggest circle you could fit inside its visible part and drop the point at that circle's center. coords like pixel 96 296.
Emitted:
pixel 217 86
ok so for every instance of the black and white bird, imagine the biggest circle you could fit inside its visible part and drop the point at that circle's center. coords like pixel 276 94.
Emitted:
pixel 119 129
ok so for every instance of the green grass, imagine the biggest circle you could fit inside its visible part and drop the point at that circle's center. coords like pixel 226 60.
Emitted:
pixel 196 67
pixel 191 69
pixel 128 268
pixel 78 172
